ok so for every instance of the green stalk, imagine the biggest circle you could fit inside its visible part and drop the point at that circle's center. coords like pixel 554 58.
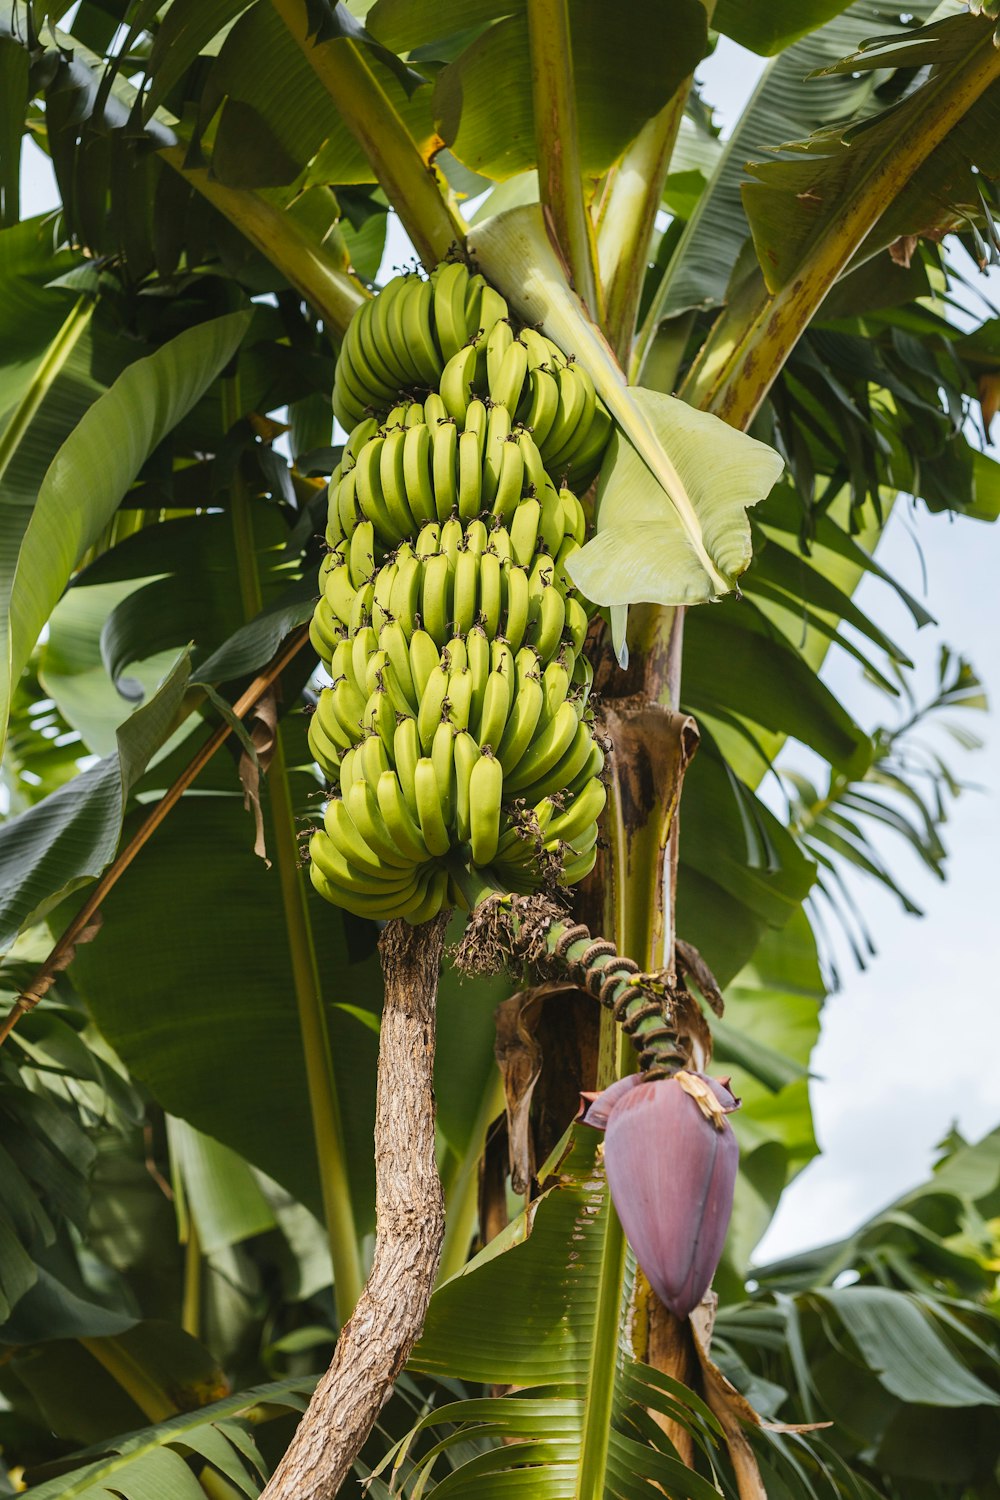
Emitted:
pixel 598 1405
pixel 155 1403
pixel 324 1106
pixel 750 349
pixel 410 181
pixel 557 145
pixel 306 265
pixel 191 1302
pixel 628 218
pixel 461 1187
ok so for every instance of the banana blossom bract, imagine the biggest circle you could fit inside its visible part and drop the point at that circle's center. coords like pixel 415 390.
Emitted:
pixel 671 1159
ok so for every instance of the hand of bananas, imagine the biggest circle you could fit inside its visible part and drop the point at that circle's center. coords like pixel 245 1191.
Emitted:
pixel 457 728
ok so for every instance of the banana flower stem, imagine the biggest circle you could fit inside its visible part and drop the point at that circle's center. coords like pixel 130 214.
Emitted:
pixel 507 930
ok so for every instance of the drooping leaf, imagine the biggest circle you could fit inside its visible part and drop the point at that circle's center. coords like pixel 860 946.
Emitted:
pixel 67 839
pixel 87 478
pixel 624 71
pixel 795 203
pixel 646 549
pixel 907 1354
pixel 704 535
pixel 769 29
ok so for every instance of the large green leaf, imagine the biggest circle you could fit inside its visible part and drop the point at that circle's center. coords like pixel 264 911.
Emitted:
pixel 88 476
pixel 66 840
pixel 210 1025
pixel 626 65
pixel 793 204
pixel 741 872
pixel 772 27
pixel 563 1277
pixel 742 669
pixel 276 117
pixel 903 1348
pixel 699 526
pixel 181 578
pixel 787 104
pixel 220 1192
pixel 135 1468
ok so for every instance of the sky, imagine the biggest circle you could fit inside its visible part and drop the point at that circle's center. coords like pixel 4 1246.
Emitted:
pixel 907 1046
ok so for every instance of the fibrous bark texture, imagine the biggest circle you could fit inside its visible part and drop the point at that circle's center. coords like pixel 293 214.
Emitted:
pixel 377 1338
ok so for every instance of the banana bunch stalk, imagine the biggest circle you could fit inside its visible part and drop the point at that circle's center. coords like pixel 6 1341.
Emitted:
pixel 457 734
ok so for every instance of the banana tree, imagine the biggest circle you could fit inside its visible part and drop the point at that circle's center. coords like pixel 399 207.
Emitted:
pixel 638 331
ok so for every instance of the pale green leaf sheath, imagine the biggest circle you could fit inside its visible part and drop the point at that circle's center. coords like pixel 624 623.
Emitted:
pixel 672 524
pixel 643 550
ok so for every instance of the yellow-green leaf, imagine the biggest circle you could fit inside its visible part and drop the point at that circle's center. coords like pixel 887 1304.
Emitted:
pixel 645 549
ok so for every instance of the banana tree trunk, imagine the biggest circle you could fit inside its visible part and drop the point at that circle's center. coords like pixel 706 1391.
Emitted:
pixel 376 1340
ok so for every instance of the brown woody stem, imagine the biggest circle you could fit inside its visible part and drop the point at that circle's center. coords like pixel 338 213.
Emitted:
pixel 377 1338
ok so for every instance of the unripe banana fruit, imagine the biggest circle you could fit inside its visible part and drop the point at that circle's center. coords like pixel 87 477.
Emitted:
pixel 456 731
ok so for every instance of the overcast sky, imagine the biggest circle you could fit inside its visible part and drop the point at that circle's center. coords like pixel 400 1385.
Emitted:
pixel 907 1046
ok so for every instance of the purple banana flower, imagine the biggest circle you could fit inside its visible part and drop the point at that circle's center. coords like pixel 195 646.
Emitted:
pixel 671 1159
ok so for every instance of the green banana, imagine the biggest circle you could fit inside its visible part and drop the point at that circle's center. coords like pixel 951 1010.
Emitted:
pixel 524 531
pixel 393 479
pixel 451 284
pixel 431 710
pixel 470 476
pixel 466 755
pixel 418 331
pixel 425 655
pixel 417 458
pixel 546 749
pixel 443 760
pixel 430 814
pixel 485 792
pixel 406 750
pixel 402 826
pixel 366 815
pixel 457 379
pixel 521 724
pixel 495 711
pixel 436 597
pixel 497 344
pixel 584 810
pixel 466 591
pixel 506 387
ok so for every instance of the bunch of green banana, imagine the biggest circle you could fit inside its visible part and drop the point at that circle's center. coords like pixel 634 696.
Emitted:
pixel 504 695
pixel 404 339
pixel 452 577
pixel 457 729
pixel 451 337
pixel 423 795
